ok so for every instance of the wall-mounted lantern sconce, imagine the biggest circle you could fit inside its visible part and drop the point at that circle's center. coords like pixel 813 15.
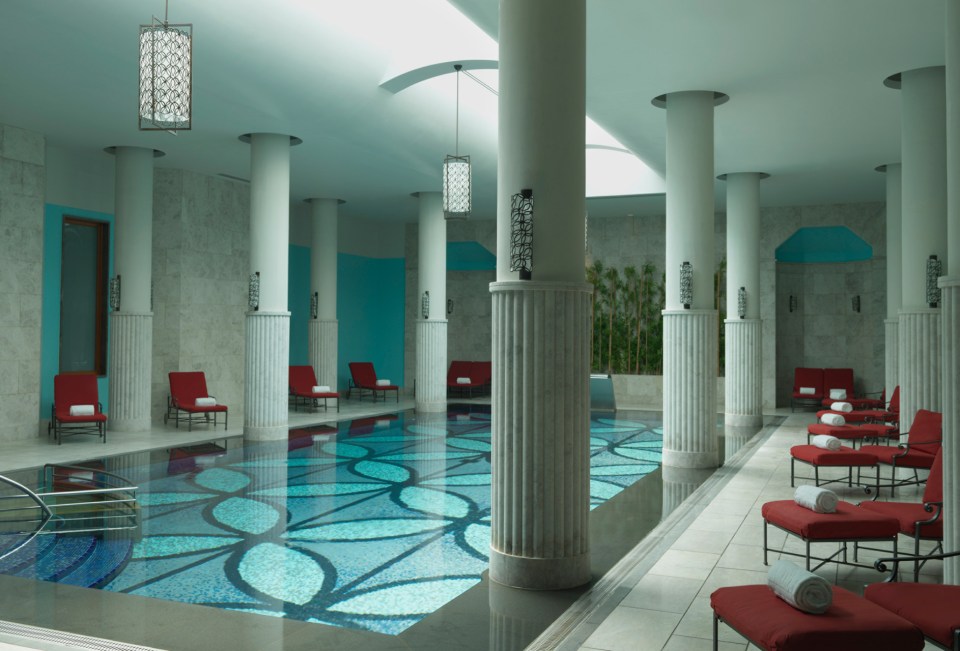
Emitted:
pixel 934 268
pixel 253 293
pixel 793 303
pixel 425 305
pixel 314 305
pixel 115 293
pixel 856 303
pixel 686 285
pixel 521 233
pixel 742 302
pixel 449 306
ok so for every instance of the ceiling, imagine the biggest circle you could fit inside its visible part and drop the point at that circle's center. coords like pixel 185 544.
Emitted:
pixel 807 104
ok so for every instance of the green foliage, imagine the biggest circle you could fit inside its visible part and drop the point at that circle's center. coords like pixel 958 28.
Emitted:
pixel 627 325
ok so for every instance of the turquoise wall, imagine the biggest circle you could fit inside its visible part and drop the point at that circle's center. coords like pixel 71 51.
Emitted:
pixel 298 302
pixel 370 306
pixel 50 311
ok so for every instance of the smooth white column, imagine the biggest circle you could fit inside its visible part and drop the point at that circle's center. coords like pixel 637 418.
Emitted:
pixel 950 294
pixel 743 400
pixel 894 212
pixel 431 370
pixel 924 192
pixel 323 330
pixel 267 352
pixel 540 401
pixel 131 328
pixel 690 335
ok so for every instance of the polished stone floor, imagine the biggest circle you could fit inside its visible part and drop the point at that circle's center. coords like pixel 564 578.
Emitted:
pixel 705 531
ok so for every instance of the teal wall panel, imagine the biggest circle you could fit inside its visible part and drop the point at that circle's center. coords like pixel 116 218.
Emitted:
pixel 298 302
pixel 823 244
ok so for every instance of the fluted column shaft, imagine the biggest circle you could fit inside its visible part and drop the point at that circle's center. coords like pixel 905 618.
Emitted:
pixel 743 400
pixel 541 461
pixel 267 361
pixel 131 328
pixel 323 331
pixel 924 193
pixel 690 388
pixel 432 327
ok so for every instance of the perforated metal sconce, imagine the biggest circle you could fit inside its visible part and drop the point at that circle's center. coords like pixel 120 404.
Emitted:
pixel 855 303
pixel 449 306
pixel 314 305
pixel 934 268
pixel 151 295
pixel 253 292
pixel 742 302
pixel 793 303
pixel 686 285
pixel 457 195
pixel 115 293
pixel 166 76
pixel 521 233
pixel 425 305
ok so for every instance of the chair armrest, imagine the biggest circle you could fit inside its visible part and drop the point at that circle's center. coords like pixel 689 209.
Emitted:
pixel 881 563
pixel 906 447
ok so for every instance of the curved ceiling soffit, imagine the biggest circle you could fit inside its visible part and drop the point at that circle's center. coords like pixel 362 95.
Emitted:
pixel 412 77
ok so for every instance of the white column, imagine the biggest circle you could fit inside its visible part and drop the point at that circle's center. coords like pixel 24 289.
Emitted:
pixel 131 327
pixel 743 381
pixel 950 289
pixel 924 193
pixel 894 275
pixel 266 378
pixel 540 401
pixel 690 331
pixel 431 370
pixel 323 283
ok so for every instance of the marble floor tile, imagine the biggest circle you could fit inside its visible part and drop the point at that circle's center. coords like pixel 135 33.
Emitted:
pixel 628 629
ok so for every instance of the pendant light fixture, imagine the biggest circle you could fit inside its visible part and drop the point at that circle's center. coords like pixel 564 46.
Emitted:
pixel 166 75
pixel 456 173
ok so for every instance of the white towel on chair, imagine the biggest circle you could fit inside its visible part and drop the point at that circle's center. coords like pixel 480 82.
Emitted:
pixel 845 407
pixel 322 388
pixel 82 410
pixel 826 442
pixel 807 391
pixel 818 500
pixel 383 383
pixel 206 402
pixel 838 394
pixel 801 589
pixel 463 380
pixel 833 419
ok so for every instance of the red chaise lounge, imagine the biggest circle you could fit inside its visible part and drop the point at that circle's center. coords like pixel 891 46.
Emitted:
pixel 186 388
pixel 303 381
pixel 76 408
pixel 364 377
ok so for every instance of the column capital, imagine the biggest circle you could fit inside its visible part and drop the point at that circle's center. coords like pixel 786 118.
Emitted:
pixel 112 150
pixel 660 101
pixel 760 175
pixel 311 200
pixel 248 137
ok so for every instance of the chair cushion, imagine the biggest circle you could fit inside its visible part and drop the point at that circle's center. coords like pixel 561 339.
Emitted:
pixel 913 458
pixel 847 432
pixel 843 457
pixel 849 522
pixel 907 515
pixel 849 416
pixel 879 430
pixel 926 432
pixel 934 608
pixel 65 417
pixel 851 623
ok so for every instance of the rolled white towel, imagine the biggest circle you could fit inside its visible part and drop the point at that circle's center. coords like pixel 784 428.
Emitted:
pixel 463 380
pixel 383 383
pixel 206 402
pixel 818 500
pixel 807 391
pixel 82 410
pixel 833 419
pixel 838 394
pixel 321 388
pixel 845 407
pixel 801 589
pixel 826 442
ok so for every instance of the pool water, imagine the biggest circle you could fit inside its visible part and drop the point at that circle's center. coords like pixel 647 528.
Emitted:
pixel 372 525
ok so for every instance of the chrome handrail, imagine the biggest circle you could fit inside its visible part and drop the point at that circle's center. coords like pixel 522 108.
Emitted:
pixel 47 515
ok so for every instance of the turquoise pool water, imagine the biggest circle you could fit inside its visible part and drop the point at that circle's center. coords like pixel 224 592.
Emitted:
pixel 372 525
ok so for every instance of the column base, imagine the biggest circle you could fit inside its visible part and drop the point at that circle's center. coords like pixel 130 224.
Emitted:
pixel 539 573
pixel 950 340
pixel 691 460
pixel 131 366
pixel 431 365
pixel 269 433
pixel 891 341
pixel 743 420
pixel 919 362
pixel 129 424
pixel 323 338
pixel 267 380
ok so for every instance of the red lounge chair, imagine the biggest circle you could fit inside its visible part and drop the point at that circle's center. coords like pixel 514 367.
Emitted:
pixel 364 377
pixel 890 414
pixel 922 446
pixel 934 608
pixel 185 388
pixel 842 378
pixel 807 379
pixel 477 373
pixel 302 381
pixel 919 521
pixel 75 391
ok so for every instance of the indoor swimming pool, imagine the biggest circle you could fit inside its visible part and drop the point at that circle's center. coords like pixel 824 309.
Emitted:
pixel 372 524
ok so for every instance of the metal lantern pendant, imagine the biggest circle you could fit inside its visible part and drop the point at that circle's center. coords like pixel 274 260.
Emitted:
pixel 166 76
pixel 456 174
